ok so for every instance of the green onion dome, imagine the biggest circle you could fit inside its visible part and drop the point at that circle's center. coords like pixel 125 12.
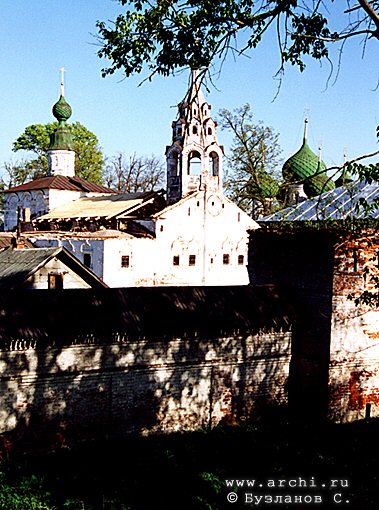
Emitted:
pixel 302 165
pixel 61 139
pixel 344 179
pixel 305 167
pixel 318 184
pixel 268 186
pixel 62 110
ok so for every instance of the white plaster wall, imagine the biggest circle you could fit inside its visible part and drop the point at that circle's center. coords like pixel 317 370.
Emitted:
pixel 143 262
pixel 36 200
pixel 206 225
pixel 58 197
pixel 70 279
pixel 78 247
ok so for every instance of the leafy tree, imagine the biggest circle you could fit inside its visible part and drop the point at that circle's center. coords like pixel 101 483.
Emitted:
pixel 252 166
pixel 166 35
pixel 134 174
pixel 35 139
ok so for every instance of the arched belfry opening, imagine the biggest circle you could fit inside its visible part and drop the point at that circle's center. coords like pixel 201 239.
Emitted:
pixel 194 157
pixel 194 163
pixel 214 161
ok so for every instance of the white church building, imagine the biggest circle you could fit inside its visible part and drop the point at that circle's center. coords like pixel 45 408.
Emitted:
pixel 194 236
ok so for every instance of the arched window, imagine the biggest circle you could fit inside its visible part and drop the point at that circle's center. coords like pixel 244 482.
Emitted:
pixel 194 130
pixel 194 163
pixel 213 164
pixel 209 131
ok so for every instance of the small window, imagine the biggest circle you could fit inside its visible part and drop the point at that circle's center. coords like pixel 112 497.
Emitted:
pixel 209 131
pixel 175 260
pixel 241 260
pixel 239 216
pixel 125 261
pixel 198 204
pixel 161 228
pixel 192 260
pixel 87 259
pixel 211 260
pixel 180 131
pixel 226 258
pixel 55 281
pixel 189 211
pixel 194 130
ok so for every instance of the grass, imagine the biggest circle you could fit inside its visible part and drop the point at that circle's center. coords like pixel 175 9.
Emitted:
pixel 188 470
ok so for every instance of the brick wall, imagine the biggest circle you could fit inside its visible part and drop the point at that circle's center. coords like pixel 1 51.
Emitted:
pixel 354 363
pixel 300 266
pixel 87 384
pixel 334 369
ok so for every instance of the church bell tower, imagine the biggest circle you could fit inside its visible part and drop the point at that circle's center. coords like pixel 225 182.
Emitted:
pixel 61 155
pixel 194 159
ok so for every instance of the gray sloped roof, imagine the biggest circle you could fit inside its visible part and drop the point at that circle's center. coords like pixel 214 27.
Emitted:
pixel 339 204
pixel 17 265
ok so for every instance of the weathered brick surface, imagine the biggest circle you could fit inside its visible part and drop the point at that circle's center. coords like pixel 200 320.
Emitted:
pixel 354 350
pixel 78 391
pixel 335 353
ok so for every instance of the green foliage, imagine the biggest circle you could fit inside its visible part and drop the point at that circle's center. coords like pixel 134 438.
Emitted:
pixel 136 473
pixel 166 35
pixel 35 139
pixel 28 494
pixel 252 167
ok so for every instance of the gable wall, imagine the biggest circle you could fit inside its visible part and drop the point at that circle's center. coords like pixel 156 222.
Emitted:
pixel 71 280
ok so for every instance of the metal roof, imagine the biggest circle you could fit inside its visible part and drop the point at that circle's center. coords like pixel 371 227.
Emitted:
pixel 61 182
pixel 17 265
pixel 339 204
pixel 105 206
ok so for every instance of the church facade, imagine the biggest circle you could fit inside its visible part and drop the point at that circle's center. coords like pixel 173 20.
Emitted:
pixel 196 236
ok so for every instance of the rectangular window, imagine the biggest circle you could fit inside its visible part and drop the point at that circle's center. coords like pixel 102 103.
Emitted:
pixel 192 260
pixel 226 258
pixel 87 259
pixel 175 260
pixel 125 261
pixel 241 260
pixel 55 281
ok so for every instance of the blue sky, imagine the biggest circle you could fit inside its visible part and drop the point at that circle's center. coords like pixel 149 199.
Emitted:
pixel 37 38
